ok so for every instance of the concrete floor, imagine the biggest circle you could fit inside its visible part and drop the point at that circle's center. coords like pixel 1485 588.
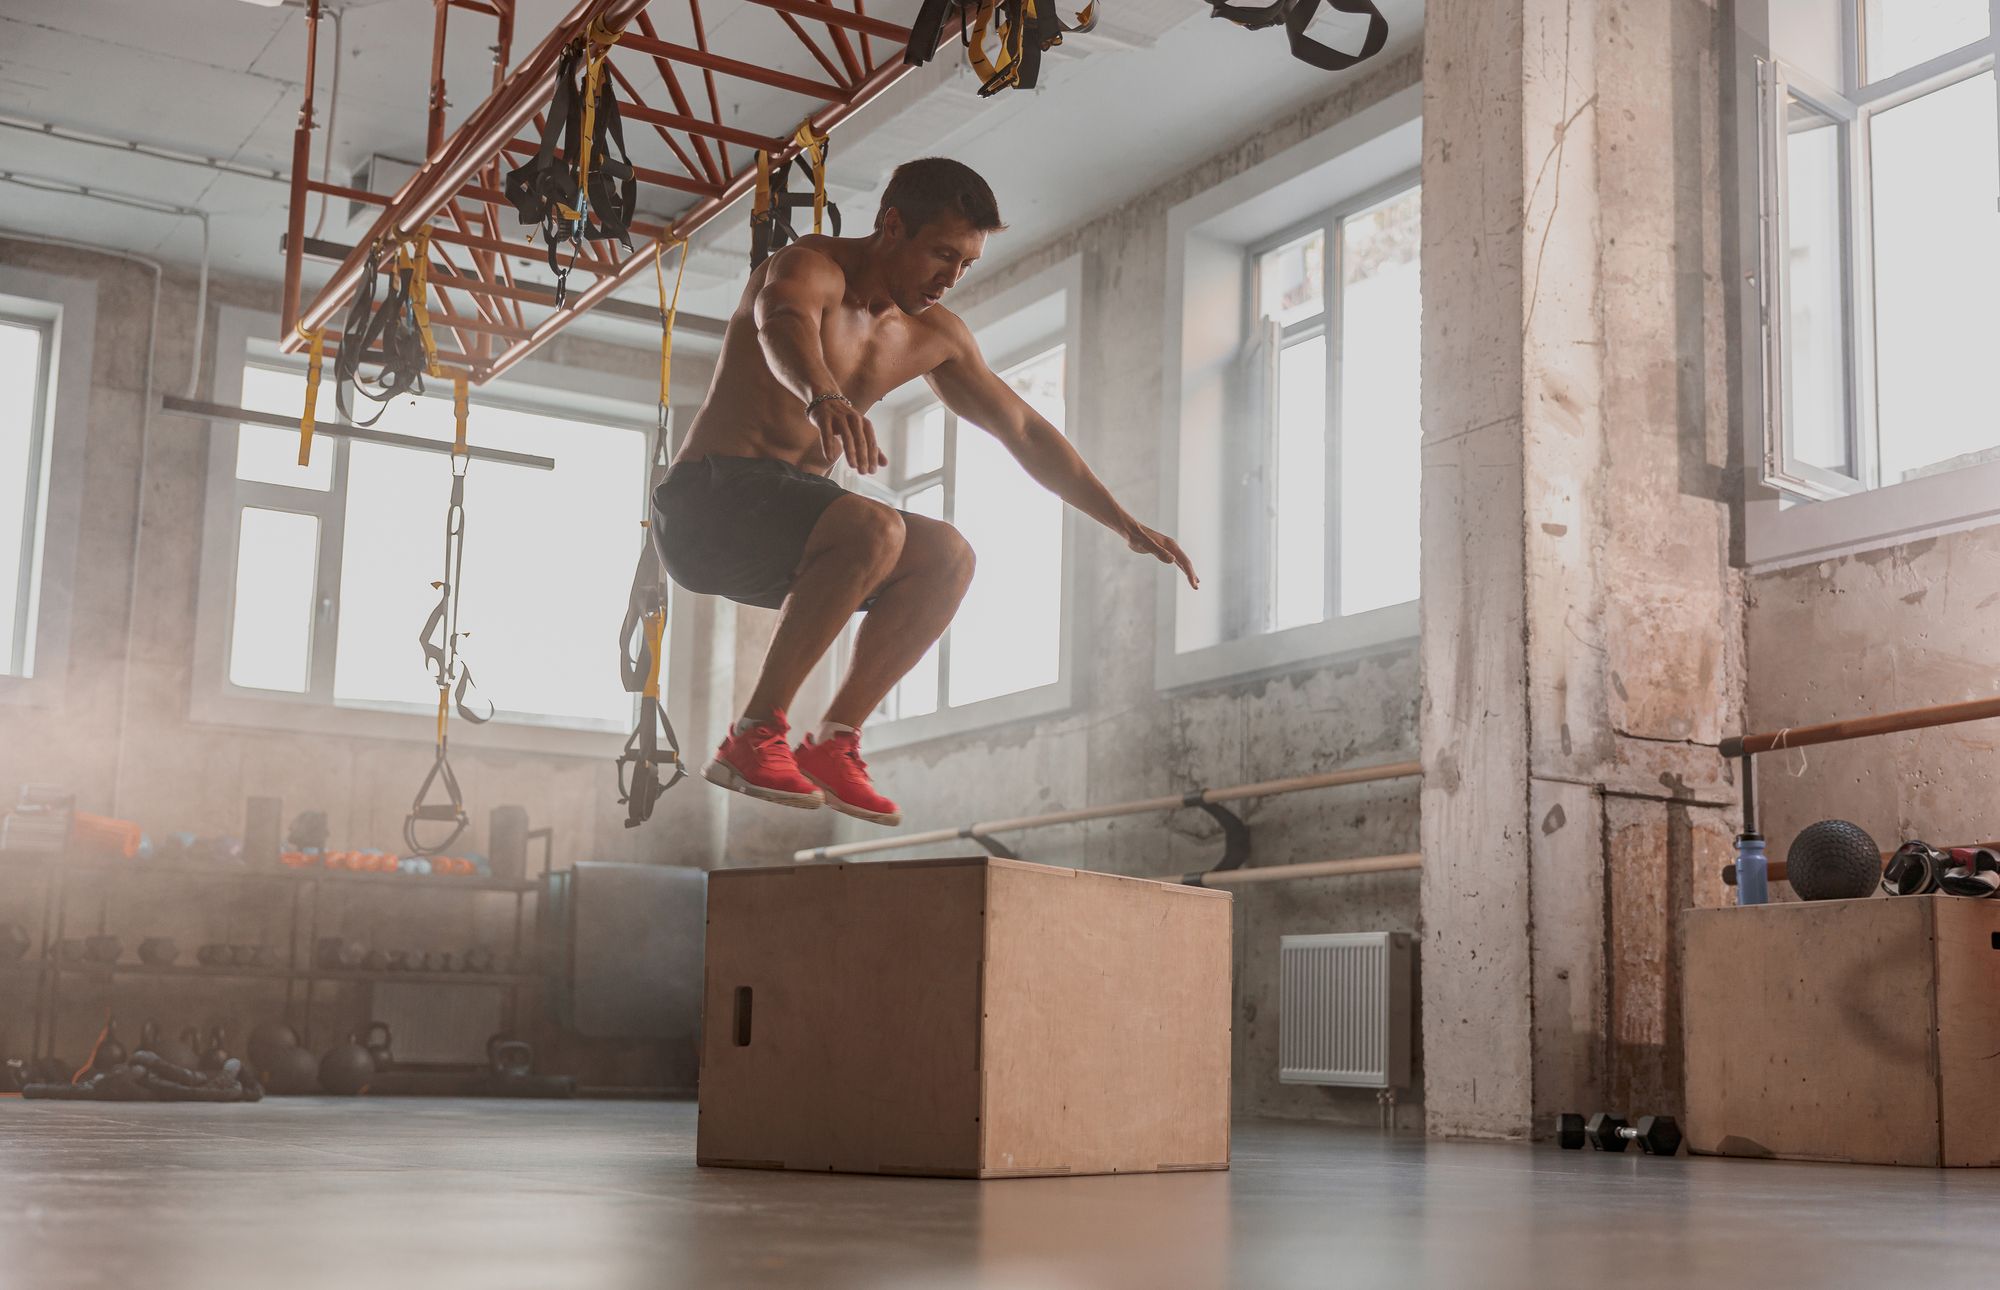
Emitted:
pixel 308 1194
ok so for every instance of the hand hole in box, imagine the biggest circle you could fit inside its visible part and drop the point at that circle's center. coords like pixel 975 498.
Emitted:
pixel 742 1016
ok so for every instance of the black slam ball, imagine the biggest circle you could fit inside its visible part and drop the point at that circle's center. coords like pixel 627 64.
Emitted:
pixel 1833 860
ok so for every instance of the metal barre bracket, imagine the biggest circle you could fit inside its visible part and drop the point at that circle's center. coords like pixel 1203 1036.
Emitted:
pixel 998 850
pixel 1235 833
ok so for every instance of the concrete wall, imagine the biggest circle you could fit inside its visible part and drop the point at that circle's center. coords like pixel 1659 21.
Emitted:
pixel 122 740
pixel 1127 740
pixel 1582 625
pixel 1904 626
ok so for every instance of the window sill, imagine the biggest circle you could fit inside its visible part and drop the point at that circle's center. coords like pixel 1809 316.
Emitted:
pixel 1777 536
pixel 1039 704
pixel 314 719
pixel 1379 631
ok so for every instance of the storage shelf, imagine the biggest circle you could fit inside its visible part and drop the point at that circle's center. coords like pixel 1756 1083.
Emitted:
pixel 424 978
pixel 332 877
pixel 103 971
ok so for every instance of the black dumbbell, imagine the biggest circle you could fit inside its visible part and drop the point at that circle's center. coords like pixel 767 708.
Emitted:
pixel 1569 1131
pixel 1657 1135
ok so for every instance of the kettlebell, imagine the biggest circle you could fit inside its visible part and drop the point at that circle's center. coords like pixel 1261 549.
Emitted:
pixel 510 1056
pixel 158 951
pixel 346 1068
pixel 375 1038
pixel 149 1038
pixel 110 1052
pixel 217 1054
pixel 293 1071
pixel 269 1039
pixel 184 1052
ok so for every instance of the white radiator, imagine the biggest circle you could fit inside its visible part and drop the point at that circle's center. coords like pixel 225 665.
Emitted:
pixel 1344 1009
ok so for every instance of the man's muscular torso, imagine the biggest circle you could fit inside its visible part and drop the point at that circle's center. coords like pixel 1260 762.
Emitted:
pixel 749 413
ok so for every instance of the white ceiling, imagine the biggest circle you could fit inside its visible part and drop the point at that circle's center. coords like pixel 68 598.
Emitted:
pixel 1159 86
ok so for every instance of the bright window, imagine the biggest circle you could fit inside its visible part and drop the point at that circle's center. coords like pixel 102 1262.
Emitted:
pixel 1324 439
pixel 1881 242
pixel 24 460
pixel 334 563
pixel 1007 637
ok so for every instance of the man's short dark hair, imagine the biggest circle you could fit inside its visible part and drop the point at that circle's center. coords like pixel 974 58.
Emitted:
pixel 932 186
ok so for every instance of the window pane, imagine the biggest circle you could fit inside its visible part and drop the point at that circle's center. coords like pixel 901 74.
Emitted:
pixel 392 547
pixel 1298 488
pixel 1806 34
pixel 1381 426
pixel 1007 634
pixel 1291 280
pixel 21 472
pixel 277 568
pixel 1899 34
pixel 1937 276
pixel 268 455
pixel 1816 282
pixel 923 449
pixel 917 693
pixel 548 562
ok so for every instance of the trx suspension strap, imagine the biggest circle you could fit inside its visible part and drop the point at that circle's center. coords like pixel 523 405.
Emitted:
pixel 317 337
pixel 641 639
pixel 770 213
pixel 1297 16
pixel 405 349
pixel 440 635
pixel 563 194
pixel 1003 39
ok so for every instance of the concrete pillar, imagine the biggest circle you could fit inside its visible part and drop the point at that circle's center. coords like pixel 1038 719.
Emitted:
pixel 1581 626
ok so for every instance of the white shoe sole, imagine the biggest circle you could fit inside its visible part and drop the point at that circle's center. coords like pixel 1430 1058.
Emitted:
pixel 873 817
pixel 721 774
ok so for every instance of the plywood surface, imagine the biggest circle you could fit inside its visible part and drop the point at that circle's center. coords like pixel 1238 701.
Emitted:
pixel 864 1016
pixel 1107 1011
pixel 1809 1031
pixel 1968 1022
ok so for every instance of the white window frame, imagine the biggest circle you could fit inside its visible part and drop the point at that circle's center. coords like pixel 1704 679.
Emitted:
pixel 997 321
pixel 248 336
pixel 67 308
pixel 1796 512
pixel 1371 155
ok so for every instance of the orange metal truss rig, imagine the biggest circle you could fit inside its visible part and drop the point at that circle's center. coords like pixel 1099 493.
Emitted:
pixel 475 235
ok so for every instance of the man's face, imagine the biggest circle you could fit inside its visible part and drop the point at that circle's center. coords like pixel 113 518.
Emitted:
pixel 925 264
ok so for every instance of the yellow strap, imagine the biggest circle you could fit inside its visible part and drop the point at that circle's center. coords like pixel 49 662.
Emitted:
pixel 444 707
pixel 760 209
pixel 669 310
pixel 602 38
pixel 306 418
pixel 418 262
pixel 814 147
pixel 656 622
pixel 458 447
pixel 982 66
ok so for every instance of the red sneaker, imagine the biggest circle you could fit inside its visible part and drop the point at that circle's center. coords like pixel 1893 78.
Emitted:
pixel 758 763
pixel 836 766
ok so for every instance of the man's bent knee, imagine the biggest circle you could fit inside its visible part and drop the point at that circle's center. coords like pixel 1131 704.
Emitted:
pixel 867 531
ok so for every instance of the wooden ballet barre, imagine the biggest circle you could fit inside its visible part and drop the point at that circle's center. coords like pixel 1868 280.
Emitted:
pixel 1944 714
pixel 1305 869
pixel 1196 798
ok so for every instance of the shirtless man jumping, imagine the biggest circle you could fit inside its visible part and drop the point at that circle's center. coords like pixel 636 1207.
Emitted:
pixel 826 328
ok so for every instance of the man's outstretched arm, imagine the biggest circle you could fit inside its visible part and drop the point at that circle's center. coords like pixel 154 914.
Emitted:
pixel 976 393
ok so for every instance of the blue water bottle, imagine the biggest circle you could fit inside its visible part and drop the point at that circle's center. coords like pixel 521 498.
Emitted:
pixel 1753 885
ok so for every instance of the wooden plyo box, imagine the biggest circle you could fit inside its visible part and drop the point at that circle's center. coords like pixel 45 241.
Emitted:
pixel 973 1018
pixel 1854 1030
